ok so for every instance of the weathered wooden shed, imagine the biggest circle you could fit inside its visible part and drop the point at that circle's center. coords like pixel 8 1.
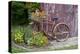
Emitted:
pixel 66 13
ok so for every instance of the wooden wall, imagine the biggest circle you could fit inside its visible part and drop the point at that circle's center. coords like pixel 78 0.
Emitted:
pixel 65 13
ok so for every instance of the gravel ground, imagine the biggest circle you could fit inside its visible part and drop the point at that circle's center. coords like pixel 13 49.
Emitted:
pixel 73 41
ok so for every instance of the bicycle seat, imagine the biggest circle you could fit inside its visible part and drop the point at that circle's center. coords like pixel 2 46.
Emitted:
pixel 54 19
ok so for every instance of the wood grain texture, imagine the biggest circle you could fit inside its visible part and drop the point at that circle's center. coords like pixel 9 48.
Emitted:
pixel 65 13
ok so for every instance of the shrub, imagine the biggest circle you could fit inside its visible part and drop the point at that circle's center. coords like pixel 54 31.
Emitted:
pixel 28 33
pixel 18 35
pixel 38 39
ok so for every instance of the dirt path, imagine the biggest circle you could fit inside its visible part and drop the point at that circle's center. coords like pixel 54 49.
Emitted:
pixel 53 45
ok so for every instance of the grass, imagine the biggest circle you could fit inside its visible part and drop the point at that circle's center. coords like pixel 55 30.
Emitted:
pixel 18 50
